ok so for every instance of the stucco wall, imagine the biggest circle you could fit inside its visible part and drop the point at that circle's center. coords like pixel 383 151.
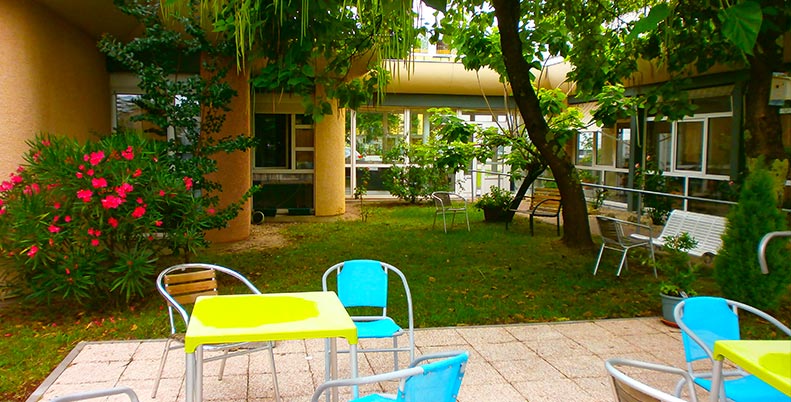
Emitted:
pixel 52 79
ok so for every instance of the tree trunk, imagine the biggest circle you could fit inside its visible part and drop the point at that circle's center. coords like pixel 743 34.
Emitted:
pixel 576 229
pixel 763 128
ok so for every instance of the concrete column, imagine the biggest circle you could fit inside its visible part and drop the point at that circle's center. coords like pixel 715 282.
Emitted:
pixel 329 176
pixel 234 170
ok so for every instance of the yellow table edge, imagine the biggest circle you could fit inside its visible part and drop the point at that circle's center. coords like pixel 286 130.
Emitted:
pixel 331 307
pixel 756 348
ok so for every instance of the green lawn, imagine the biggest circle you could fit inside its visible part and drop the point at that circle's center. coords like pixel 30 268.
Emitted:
pixel 486 276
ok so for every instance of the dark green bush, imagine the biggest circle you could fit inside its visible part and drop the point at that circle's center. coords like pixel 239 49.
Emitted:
pixel 736 266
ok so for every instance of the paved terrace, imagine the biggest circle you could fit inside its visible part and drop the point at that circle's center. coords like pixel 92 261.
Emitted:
pixel 525 362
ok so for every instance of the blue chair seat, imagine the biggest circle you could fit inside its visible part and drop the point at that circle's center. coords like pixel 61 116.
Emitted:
pixel 747 389
pixel 374 398
pixel 385 328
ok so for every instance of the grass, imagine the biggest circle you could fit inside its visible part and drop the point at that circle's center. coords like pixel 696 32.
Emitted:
pixel 486 276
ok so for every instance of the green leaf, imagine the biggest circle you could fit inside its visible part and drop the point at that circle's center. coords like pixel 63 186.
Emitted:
pixel 439 5
pixel 657 14
pixel 741 23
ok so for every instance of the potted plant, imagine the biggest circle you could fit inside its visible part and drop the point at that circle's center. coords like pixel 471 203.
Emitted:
pixel 679 271
pixel 496 205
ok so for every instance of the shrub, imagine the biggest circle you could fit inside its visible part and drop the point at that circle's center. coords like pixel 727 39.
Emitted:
pixel 736 266
pixel 497 198
pixel 87 222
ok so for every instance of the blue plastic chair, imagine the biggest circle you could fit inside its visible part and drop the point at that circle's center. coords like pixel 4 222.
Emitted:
pixel 438 381
pixel 364 283
pixel 704 320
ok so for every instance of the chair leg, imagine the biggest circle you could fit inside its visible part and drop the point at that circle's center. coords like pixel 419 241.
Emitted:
pixel 444 224
pixel 466 216
pixel 598 260
pixel 653 258
pixel 558 224
pixel 222 365
pixel 433 225
pixel 161 367
pixel 531 224
pixel 453 219
pixel 395 353
pixel 623 261
pixel 274 371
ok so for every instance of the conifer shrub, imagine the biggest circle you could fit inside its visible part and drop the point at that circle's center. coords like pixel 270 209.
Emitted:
pixel 736 266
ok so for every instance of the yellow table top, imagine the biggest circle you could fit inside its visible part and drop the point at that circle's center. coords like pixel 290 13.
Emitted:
pixel 767 360
pixel 268 317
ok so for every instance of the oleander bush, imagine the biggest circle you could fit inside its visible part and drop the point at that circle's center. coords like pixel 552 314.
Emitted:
pixel 85 222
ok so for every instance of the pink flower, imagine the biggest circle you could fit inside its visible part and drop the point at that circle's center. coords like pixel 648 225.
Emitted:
pixel 20 169
pixel 124 189
pixel 99 182
pixel 54 229
pixel 35 188
pixel 55 219
pixel 137 173
pixel 188 183
pixel 138 212
pixel 94 232
pixel 36 156
pixel 1 202
pixel 33 250
pixel 45 143
pixel 96 157
pixel 95 242
pixel 161 193
pixel 16 179
pixel 67 218
pixel 128 154
pixel 79 175
pixel 26 190
pixel 2 211
pixel 210 211
pixel 56 205
pixel 158 223
pixel 84 195
pixel 89 172
pixel 112 222
pixel 81 167
pixel 6 185
pixel 139 200
pixel 111 202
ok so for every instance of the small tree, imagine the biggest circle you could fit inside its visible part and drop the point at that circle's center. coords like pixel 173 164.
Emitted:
pixel 736 266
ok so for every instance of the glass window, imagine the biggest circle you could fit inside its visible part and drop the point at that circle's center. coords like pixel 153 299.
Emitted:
pixel 623 144
pixel 125 109
pixel 718 152
pixel 418 127
pixel 605 147
pixel 378 134
pixel 585 148
pixel 659 137
pixel 689 146
pixel 273 134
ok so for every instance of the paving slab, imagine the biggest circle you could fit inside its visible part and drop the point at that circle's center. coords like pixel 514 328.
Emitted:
pixel 562 361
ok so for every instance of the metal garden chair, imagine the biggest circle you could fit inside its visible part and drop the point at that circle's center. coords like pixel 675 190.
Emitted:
pixel 99 393
pixel 364 284
pixel 614 238
pixel 629 389
pixel 446 202
pixel 438 381
pixel 702 321
pixel 181 285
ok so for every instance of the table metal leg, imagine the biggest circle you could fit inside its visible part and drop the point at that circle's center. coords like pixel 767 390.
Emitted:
pixel 353 358
pixel 716 381
pixel 190 377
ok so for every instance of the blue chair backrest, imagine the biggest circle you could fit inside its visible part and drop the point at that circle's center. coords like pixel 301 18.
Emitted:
pixel 362 283
pixel 440 381
pixel 711 319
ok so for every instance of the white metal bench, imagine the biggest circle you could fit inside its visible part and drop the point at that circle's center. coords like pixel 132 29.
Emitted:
pixel 706 229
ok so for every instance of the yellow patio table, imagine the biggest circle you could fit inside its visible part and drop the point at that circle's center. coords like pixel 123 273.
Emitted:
pixel 264 318
pixel 768 360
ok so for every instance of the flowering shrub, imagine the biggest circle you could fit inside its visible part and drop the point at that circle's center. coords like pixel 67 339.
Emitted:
pixel 85 222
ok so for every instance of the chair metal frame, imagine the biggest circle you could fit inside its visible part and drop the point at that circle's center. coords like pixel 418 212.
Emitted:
pixel 614 238
pixel 628 389
pixel 444 203
pixel 183 284
pixel 454 361
pixel 373 292
pixel 699 346
pixel 99 393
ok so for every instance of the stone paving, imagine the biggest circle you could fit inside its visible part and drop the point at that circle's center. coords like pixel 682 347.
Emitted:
pixel 525 362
